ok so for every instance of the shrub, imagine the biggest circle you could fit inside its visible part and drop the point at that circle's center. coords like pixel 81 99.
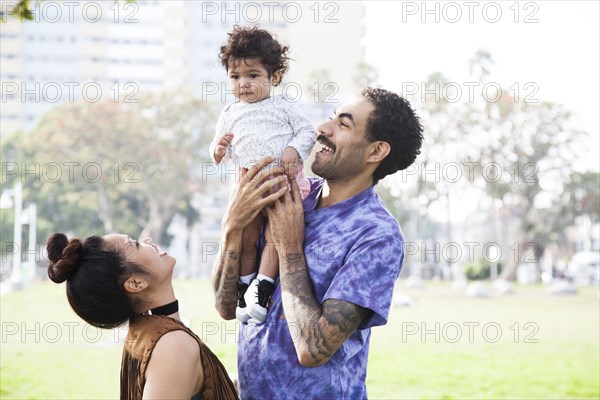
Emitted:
pixel 479 270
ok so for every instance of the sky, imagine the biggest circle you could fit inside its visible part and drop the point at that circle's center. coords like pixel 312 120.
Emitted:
pixel 546 50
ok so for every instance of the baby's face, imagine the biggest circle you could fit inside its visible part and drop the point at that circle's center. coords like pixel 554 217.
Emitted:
pixel 250 80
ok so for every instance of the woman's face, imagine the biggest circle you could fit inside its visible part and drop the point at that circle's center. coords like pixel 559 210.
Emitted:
pixel 144 253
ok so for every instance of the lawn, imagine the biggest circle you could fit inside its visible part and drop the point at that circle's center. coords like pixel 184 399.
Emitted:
pixel 529 345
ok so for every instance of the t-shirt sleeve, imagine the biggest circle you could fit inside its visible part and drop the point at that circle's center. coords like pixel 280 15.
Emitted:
pixel 368 275
pixel 220 130
pixel 305 135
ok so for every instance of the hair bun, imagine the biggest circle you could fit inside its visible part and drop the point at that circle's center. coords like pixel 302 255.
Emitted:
pixel 64 256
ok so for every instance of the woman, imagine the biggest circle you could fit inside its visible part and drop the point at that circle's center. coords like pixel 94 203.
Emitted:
pixel 114 279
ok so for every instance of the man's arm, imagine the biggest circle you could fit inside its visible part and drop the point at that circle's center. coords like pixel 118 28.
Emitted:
pixel 246 201
pixel 226 273
pixel 321 330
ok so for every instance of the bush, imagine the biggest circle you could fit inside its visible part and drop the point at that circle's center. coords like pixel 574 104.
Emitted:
pixel 480 270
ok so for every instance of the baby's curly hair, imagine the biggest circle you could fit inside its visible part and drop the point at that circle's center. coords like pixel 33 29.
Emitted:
pixel 252 42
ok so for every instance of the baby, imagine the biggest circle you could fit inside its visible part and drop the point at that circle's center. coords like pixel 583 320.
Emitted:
pixel 262 125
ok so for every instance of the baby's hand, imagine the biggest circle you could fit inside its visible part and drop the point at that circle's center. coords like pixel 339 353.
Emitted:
pixel 222 145
pixel 290 159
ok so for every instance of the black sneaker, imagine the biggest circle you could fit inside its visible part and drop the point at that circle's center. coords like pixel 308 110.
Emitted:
pixel 257 298
pixel 241 312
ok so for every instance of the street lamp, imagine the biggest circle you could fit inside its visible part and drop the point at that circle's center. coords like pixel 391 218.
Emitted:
pixel 13 198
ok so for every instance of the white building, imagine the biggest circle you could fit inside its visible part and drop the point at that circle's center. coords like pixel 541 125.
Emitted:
pixel 101 50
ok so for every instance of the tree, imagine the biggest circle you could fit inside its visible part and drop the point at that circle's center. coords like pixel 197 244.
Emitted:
pixel 516 154
pixel 443 146
pixel 366 75
pixel 582 196
pixel 22 10
pixel 322 88
pixel 579 197
pixel 481 64
pixel 113 166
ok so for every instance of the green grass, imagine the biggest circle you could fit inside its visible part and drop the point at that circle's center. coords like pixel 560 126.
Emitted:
pixel 547 346
pixel 555 356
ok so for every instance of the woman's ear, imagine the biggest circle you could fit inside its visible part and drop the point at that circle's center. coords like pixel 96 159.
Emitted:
pixel 135 283
pixel 377 151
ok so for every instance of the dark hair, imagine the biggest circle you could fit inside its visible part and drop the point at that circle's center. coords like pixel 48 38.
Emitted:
pixel 252 42
pixel 95 278
pixel 395 122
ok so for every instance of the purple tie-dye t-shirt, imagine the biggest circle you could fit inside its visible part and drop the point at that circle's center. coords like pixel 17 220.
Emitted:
pixel 354 252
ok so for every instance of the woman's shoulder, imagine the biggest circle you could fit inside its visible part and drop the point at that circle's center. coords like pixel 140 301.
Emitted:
pixel 180 342
pixel 174 369
pixel 178 336
pixel 173 335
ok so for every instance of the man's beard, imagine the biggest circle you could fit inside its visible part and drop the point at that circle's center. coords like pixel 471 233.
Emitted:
pixel 343 170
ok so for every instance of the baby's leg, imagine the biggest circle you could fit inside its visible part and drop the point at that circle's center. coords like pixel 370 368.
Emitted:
pixel 262 288
pixel 249 253
pixel 247 265
pixel 269 261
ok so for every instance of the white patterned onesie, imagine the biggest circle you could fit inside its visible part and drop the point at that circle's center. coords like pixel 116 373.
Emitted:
pixel 262 129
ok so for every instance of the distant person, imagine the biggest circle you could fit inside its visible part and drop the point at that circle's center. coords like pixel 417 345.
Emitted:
pixel 114 279
pixel 340 252
pixel 257 125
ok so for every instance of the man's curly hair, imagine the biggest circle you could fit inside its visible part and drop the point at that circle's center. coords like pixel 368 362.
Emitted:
pixel 395 122
pixel 252 42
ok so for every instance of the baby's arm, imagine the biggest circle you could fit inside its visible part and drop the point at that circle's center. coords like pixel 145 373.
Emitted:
pixel 305 135
pixel 222 139
pixel 290 159
pixel 221 146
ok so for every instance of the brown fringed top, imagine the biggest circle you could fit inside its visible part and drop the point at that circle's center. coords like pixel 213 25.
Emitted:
pixel 144 332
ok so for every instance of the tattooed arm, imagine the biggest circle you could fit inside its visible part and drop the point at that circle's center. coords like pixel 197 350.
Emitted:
pixel 245 203
pixel 226 273
pixel 322 328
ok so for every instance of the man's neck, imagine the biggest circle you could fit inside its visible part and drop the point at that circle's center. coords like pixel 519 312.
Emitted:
pixel 336 192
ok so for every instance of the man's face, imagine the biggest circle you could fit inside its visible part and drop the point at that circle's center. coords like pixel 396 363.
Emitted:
pixel 342 142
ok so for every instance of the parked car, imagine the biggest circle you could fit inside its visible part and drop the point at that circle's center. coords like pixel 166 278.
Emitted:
pixel 584 267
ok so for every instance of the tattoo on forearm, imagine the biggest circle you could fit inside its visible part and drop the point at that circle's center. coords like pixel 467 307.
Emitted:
pixel 234 255
pixel 342 319
pixel 346 315
pixel 226 282
pixel 293 257
pixel 323 328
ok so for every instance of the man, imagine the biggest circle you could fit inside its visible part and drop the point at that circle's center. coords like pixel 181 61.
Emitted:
pixel 340 253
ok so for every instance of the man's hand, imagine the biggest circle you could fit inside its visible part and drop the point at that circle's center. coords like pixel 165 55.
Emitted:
pixel 290 160
pixel 254 191
pixel 222 145
pixel 286 219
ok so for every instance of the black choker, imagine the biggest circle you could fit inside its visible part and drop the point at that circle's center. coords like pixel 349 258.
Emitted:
pixel 167 309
